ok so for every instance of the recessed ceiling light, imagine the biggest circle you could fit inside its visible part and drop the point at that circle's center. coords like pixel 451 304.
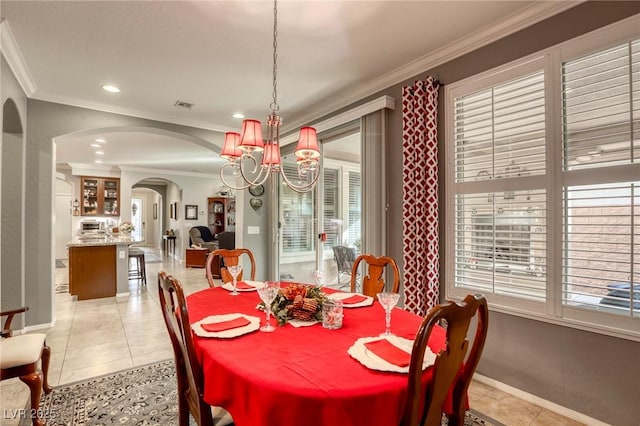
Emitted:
pixel 97 161
pixel 110 88
pixel 99 153
pixel 95 145
pixel 100 140
pixel 238 115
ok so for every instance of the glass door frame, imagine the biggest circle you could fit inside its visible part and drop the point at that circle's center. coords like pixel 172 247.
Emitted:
pixel 318 229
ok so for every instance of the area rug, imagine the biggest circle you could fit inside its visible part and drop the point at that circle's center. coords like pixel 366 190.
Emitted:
pixel 141 396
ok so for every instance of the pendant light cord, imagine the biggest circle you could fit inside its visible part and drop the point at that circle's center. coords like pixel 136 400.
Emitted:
pixel 274 104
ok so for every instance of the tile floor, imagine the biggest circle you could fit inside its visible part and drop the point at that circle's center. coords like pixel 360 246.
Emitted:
pixel 96 337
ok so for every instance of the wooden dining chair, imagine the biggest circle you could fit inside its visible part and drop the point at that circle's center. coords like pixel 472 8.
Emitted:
pixel 454 365
pixel 229 257
pixel 19 356
pixel 372 280
pixel 189 372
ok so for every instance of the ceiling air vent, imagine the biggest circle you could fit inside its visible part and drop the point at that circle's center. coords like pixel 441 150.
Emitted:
pixel 183 104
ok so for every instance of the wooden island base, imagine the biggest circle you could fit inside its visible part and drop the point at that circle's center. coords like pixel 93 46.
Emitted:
pixel 92 271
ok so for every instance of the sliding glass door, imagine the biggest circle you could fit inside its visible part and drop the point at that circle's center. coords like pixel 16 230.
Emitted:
pixel 306 244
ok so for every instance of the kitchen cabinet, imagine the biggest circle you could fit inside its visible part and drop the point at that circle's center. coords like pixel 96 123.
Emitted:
pixel 100 196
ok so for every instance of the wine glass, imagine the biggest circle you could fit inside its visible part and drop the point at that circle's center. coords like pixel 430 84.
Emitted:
pixel 234 270
pixel 318 276
pixel 388 300
pixel 268 293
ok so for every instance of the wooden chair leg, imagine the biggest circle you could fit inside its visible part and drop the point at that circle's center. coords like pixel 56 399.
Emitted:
pixel 183 410
pixel 34 381
pixel 45 356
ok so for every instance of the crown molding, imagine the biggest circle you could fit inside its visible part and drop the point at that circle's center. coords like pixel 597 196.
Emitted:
pixel 537 12
pixel 13 55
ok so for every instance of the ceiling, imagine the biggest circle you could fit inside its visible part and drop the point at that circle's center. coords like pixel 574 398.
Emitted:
pixel 217 55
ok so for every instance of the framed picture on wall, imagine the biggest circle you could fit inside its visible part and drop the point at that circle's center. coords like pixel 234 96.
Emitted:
pixel 155 210
pixel 174 210
pixel 190 212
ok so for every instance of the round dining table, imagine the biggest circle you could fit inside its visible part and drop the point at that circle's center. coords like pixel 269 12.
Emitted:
pixel 301 375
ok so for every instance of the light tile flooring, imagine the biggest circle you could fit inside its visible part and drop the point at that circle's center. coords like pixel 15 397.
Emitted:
pixel 96 337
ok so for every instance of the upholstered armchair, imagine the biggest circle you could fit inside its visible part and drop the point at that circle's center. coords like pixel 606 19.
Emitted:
pixel 202 236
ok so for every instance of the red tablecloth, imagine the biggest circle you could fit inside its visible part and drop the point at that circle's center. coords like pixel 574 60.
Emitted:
pixel 300 376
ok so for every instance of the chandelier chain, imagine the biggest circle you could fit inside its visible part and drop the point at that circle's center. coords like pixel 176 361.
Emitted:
pixel 274 104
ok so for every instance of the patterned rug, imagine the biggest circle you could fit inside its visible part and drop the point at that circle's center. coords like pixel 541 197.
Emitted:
pixel 141 396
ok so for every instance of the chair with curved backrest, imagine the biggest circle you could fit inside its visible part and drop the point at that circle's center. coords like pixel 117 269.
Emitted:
pixel 372 281
pixel 452 372
pixel 229 257
pixel 19 356
pixel 188 369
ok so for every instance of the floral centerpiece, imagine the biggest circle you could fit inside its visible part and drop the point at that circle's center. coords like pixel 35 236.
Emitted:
pixel 297 301
pixel 125 227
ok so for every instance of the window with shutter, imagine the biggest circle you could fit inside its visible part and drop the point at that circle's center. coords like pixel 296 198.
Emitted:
pixel 500 243
pixel 543 184
pixel 601 220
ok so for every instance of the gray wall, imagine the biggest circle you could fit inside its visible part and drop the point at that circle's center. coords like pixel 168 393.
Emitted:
pixel 14 105
pixel 590 373
pixel 258 244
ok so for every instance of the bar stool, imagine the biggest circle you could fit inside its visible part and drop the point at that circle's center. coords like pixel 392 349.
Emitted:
pixel 139 272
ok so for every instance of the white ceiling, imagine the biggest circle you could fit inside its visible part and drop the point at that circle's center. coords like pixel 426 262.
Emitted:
pixel 217 55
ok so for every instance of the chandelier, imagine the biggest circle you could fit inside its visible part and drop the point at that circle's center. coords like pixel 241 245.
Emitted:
pixel 255 159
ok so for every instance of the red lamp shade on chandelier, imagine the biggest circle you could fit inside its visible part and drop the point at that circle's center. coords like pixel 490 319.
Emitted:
pixel 307 144
pixel 271 155
pixel 231 149
pixel 251 137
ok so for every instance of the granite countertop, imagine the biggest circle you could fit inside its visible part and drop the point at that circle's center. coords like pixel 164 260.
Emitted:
pixel 95 240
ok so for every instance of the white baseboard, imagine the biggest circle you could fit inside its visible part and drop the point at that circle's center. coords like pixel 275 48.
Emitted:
pixel 525 396
pixel 124 294
pixel 35 327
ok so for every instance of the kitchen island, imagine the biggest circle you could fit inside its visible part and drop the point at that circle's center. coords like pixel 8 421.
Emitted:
pixel 99 266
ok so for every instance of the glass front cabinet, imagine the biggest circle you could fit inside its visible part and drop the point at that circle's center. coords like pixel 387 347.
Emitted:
pixel 100 196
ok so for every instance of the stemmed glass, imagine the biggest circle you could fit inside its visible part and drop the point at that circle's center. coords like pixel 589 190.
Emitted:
pixel 317 276
pixel 234 270
pixel 388 301
pixel 268 293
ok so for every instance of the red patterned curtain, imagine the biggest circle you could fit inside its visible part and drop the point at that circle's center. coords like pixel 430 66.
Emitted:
pixel 420 195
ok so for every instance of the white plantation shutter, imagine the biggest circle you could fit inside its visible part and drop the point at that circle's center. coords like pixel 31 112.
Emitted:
pixel 499 131
pixel 601 220
pixel 355 201
pixel 500 236
pixel 298 228
pixel 601 106
pixel 331 212
pixel 602 247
